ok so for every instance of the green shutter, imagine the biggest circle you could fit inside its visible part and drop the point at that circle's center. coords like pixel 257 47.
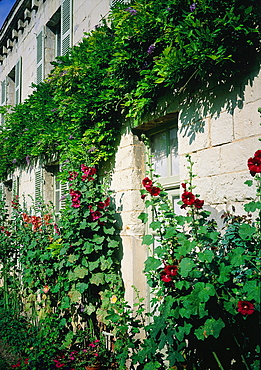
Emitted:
pixel 3 98
pixel 38 186
pixel 66 26
pixel 40 56
pixel 18 76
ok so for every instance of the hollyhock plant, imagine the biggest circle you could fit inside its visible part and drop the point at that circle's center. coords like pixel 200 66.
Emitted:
pixel 195 313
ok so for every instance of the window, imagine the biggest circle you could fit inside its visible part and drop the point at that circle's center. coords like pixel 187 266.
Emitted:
pixel 164 148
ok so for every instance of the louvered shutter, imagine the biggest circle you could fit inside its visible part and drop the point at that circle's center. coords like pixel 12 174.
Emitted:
pixel 64 192
pixel 15 187
pixel 40 56
pixel 66 26
pixel 18 76
pixel 114 2
pixel 3 97
pixel 38 186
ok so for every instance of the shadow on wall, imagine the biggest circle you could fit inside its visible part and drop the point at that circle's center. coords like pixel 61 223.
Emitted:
pixel 209 101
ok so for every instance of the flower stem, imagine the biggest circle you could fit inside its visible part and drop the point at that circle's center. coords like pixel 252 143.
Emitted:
pixel 217 359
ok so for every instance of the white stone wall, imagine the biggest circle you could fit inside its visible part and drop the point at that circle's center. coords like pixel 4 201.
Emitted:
pixel 129 170
pixel 223 143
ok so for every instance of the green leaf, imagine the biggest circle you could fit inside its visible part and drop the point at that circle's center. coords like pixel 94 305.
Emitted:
pixel 81 287
pixel 185 266
pixel 143 217
pixel 155 225
pixel 249 182
pixel 97 279
pixel 151 264
pixel 246 231
pixel 170 232
pixel 74 295
pixel 211 327
pixel 147 239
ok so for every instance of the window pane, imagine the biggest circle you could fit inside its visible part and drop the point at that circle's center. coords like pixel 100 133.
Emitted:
pixel 159 147
pixel 174 151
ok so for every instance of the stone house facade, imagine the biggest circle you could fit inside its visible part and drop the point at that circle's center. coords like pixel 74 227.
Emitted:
pixel 219 126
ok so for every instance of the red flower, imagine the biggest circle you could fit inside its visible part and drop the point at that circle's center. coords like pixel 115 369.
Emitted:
pixel 188 198
pixel 95 215
pixel 88 172
pixel 76 196
pixel 165 277
pixel 258 154
pixel 245 307
pixel 184 186
pixel 147 183
pixel 143 196
pixel 254 164
pixel 72 175
pixel 171 270
pixel 102 205
pixel 154 191
pixel 198 203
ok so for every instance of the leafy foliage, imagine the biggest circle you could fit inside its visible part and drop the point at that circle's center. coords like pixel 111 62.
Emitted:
pixel 60 275
pixel 122 68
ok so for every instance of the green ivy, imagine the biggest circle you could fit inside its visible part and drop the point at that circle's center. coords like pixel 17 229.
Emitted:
pixel 121 68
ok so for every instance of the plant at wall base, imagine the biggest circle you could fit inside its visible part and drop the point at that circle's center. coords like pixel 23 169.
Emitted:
pixel 205 284
pixel 62 273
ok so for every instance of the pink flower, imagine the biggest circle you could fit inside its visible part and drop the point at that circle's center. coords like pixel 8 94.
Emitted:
pixel 46 289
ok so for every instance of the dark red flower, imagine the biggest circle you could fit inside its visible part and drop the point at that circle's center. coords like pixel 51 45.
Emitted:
pixel 147 183
pixel 171 270
pixel 184 185
pixel 188 198
pixel 76 196
pixel 254 164
pixel 198 203
pixel 165 277
pixel 88 172
pixel 154 191
pixel 72 175
pixel 245 307
pixel 143 196
pixel 95 215
pixel 258 154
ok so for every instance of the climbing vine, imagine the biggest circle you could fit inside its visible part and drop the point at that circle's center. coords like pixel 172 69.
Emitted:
pixel 121 68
